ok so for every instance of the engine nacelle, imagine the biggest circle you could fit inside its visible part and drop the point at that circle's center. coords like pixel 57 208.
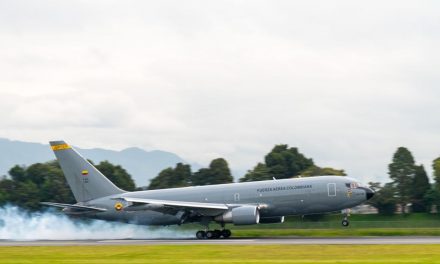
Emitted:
pixel 272 220
pixel 243 215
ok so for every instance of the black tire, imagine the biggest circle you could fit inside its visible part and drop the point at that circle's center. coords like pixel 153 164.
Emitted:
pixel 201 234
pixel 210 235
pixel 217 233
pixel 226 233
pixel 345 223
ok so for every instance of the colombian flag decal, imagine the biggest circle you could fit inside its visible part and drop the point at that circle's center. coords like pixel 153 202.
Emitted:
pixel 60 147
pixel 85 172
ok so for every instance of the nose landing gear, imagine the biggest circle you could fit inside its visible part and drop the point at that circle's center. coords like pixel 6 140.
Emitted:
pixel 345 221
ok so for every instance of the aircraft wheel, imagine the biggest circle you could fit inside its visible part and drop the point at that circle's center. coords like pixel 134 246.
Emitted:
pixel 345 223
pixel 201 234
pixel 226 233
pixel 210 235
pixel 217 233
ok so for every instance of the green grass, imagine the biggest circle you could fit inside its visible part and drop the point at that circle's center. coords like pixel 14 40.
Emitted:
pixel 337 232
pixel 414 220
pixel 224 254
pixel 333 221
pixel 416 224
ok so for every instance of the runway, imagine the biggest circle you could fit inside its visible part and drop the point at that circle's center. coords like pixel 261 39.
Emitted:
pixel 236 241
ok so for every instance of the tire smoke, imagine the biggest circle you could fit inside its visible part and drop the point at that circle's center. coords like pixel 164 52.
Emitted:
pixel 19 224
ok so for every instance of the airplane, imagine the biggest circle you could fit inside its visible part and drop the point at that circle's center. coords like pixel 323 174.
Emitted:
pixel 246 203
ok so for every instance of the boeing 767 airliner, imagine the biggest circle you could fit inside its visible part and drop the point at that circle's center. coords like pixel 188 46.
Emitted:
pixel 245 203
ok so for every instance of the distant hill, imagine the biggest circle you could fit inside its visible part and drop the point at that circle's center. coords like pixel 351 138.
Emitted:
pixel 142 165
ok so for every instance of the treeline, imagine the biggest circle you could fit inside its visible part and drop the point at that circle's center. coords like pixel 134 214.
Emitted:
pixel 28 186
pixel 181 176
pixel 409 190
pixel 280 163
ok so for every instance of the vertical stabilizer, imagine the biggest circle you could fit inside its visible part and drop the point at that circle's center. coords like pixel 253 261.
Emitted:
pixel 85 181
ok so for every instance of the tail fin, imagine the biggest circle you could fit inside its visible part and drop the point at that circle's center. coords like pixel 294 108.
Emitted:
pixel 85 181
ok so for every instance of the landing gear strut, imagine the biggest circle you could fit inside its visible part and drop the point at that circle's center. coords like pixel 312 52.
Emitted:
pixel 345 221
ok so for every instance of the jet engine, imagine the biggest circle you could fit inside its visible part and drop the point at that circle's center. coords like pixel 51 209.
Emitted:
pixel 243 215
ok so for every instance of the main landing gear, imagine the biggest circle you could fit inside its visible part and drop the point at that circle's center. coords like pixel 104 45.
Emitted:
pixel 213 234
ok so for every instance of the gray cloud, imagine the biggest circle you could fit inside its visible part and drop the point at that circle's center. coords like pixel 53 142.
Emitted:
pixel 346 83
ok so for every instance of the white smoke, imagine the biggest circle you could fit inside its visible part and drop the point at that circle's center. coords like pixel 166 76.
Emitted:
pixel 18 224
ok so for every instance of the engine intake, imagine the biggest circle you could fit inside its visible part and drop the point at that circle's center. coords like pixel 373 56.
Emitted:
pixel 243 215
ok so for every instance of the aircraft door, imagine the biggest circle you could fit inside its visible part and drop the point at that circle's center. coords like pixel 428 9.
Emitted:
pixel 236 197
pixel 331 189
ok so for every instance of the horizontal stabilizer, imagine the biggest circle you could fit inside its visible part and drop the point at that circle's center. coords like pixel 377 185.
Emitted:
pixel 75 206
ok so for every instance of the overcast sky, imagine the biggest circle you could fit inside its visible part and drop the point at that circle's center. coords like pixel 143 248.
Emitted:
pixel 347 82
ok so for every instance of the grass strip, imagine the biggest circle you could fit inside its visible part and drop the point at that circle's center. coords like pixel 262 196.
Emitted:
pixel 346 232
pixel 223 254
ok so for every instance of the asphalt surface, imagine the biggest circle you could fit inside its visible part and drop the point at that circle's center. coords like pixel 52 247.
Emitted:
pixel 236 241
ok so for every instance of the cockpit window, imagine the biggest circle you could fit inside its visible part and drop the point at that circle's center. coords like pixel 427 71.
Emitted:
pixel 352 185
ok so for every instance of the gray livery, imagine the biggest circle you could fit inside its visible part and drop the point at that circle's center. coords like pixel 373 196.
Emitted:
pixel 237 203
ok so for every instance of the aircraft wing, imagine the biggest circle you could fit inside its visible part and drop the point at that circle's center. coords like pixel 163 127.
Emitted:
pixel 75 207
pixel 173 206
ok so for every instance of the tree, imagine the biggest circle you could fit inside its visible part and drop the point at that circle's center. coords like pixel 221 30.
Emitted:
pixel 432 197
pixel 384 198
pixel 28 186
pixel 182 174
pixel 258 173
pixel 18 173
pixel 7 187
pixel 420 187
pixel 116 174
pixel 318 171
pixel 284 162
pixel 172 177
pixel 280 163
pixel 55 187
pixel 402 171
pixel 436 174
pixel 217 173
pixel 27 195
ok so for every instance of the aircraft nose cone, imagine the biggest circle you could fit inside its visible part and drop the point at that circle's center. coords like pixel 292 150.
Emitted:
pixel 370 193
